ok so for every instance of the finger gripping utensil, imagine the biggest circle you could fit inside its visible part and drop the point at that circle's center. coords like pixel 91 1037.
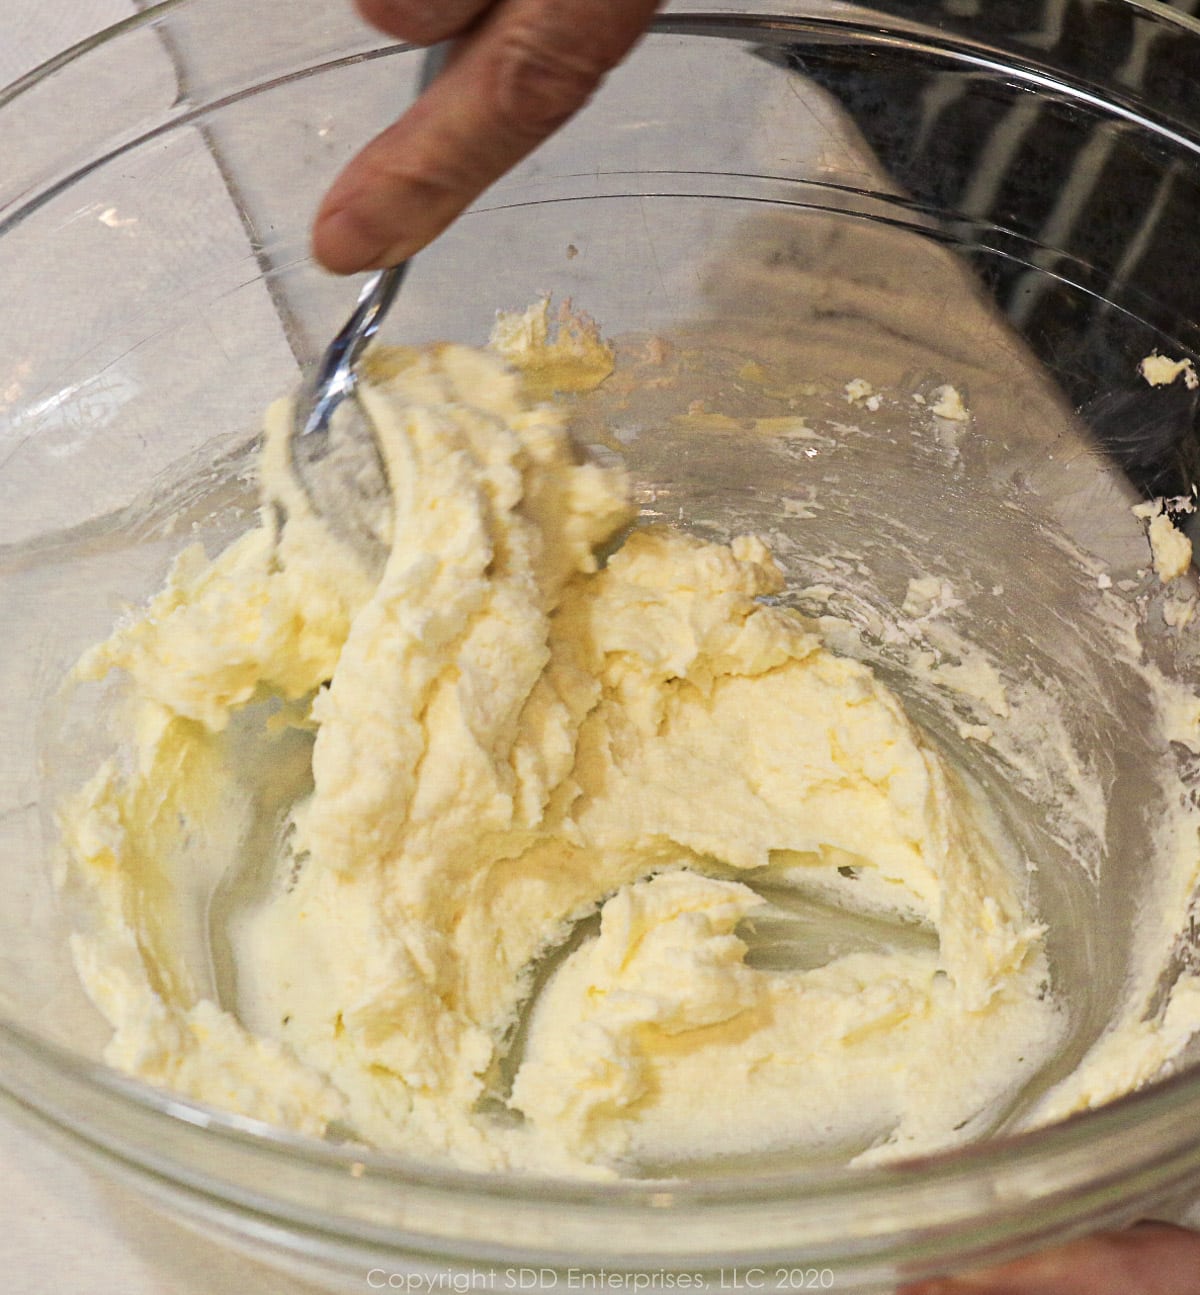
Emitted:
pixel 334 450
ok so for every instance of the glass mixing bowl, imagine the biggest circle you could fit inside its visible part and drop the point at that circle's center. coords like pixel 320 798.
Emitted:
pixel 789 202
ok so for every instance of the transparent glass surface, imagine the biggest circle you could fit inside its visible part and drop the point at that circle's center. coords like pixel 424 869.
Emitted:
pixel 803 192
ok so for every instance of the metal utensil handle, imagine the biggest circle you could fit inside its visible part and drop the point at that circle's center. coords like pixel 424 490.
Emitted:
pixel 335 373
pixel 373 302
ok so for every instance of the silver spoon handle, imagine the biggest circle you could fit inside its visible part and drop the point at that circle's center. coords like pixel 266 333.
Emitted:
pixel 344 351
pixel 380 289
pixel 333 378
pixel 334 375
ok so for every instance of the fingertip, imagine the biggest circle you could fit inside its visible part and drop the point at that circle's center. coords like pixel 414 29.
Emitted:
pixel 392 18
pixel 418 21
pixel 343 244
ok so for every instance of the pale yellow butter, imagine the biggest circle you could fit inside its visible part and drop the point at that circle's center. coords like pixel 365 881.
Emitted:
pixel 509 737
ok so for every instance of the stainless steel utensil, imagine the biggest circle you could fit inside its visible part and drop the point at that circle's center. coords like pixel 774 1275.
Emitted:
pixel 334 450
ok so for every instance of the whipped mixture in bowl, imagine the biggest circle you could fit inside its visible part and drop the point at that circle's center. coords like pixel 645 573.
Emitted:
pixel 589 843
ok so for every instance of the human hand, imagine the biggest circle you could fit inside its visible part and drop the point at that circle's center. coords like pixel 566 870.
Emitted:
pixel 1149 1259
pixel 518 70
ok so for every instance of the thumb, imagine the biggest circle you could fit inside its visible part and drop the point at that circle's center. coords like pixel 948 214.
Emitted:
pixel 1150 1259
pixel 522 71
